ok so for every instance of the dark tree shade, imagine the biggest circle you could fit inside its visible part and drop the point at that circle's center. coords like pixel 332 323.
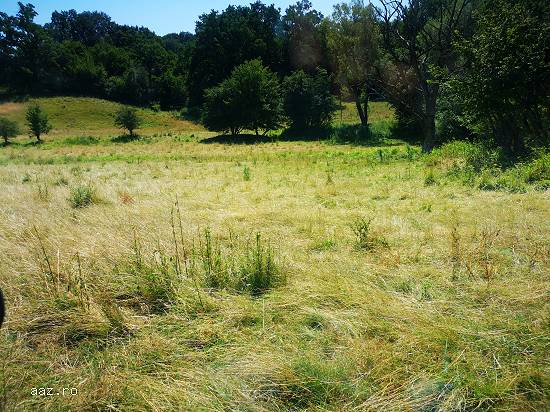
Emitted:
pixel 506 90
pixel 308 102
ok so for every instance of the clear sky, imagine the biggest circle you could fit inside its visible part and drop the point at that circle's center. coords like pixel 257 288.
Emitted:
pixel 161 16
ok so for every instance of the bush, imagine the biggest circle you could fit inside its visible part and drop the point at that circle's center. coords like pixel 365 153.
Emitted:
pixel 37 121
pixel 8 129
pixel 364 237
pixel 128 118
pixel 308 102
pixel 488 169
pixel 249 99
pixel 259 271
pixel 81 196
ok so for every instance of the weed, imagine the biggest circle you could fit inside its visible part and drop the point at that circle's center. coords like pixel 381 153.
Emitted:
pixel 42 191
pixel 216 271
pixel 246 173
pixel 81 196
pixel 429 179
pixel 365 239
pixel 361 230
pixel 323 245
pixel 61 181
pixel 258 270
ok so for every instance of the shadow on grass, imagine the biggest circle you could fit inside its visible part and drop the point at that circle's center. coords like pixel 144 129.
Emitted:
pixel 125 138
pixel 357 135
pixel 240 139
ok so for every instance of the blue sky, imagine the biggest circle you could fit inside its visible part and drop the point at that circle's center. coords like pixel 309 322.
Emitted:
pixel 162 16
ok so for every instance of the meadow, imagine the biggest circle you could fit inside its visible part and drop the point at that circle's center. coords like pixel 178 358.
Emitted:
pixel 181 272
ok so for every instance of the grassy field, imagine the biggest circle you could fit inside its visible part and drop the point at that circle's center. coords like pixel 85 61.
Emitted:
pixel 168 273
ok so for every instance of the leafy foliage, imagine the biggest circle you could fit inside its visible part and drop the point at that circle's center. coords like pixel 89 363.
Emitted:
pixel 8 129
pixel 506 90
pixel 249 99
pixel 308 102
pixel 37 121
pixel 128 118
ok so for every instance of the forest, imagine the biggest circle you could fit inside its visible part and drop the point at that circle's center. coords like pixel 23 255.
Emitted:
pixel 452 70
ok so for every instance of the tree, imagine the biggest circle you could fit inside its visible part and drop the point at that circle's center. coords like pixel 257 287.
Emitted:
pixel 308 102
pixel 249 99
pixel 420 35
pixel 8 129
pixel 353 41
pixel 225 40
pixel 304 38
pixel 37 121
pixel 128 118
pixel 505 91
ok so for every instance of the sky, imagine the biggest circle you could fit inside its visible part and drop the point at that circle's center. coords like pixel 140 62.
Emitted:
pixel 161 16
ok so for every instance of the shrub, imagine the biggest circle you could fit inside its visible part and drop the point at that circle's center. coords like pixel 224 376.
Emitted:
pixel 538 170
pixel 429 180
pixel 81 196
pixel 8 129
pixel 308 102
pixel 37 121
pixel 216 268
pixel 258 270
pixel 364 238
pixel 246 173
pixel 249 99
pixel 128 118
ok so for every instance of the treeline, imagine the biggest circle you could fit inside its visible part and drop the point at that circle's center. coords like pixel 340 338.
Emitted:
pixel 452 69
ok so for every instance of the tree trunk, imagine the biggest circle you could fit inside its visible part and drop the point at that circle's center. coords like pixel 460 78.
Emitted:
pixel 366 109
pixel 5 140
pixel 360 111
pixel 430 100
pixel 38 137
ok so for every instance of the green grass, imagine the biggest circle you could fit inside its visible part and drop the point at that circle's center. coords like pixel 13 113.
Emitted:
pixel 381 279
pixel 75 117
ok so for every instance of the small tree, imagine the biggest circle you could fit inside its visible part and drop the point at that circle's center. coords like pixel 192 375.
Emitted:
pixel 128 118
pixel 8 129
pixel 308 102
pixel 353 40
pixel 249 99
pixel 37 121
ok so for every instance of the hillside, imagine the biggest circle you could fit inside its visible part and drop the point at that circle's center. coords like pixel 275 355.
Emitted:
pixel 84 116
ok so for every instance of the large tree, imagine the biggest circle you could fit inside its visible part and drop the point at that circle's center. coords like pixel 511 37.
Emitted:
pixel 505 91
pixel 420 35
pixel 249 99
pixel 353 42
pixel 225 40
pixel 304 38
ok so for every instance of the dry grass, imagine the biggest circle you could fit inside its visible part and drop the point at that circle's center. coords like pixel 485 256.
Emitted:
pixel 450 314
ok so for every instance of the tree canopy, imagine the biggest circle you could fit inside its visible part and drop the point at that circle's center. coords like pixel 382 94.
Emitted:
pixel 249 99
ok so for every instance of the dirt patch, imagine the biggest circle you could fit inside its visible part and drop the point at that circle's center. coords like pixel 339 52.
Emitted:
pixel 7 108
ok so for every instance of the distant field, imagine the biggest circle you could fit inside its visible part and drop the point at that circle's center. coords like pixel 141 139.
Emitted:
pixel 134 273
pixel 82 116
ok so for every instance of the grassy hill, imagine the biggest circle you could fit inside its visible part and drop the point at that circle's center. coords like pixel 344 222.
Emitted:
pixel 184 274
pixel 84 116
